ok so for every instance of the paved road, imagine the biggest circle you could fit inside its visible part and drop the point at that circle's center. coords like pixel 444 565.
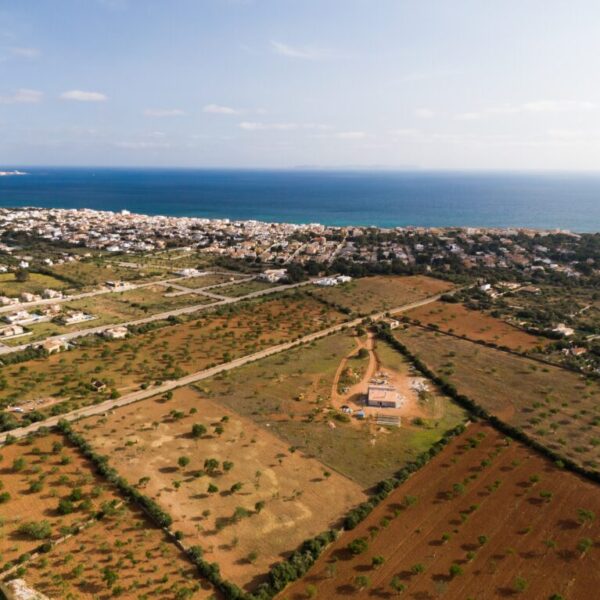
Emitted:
pixel 221 300
pixel 97 409
pixel 98 292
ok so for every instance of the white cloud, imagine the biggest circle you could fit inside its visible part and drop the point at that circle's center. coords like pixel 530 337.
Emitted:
pixel 302 52
pixel 351 135
pixel 163 112
pixel 256 126
pixel 22 96
pixel 218 109
pixel 410 133
pixel 81 96
pixel 142 145
pixel 23 52
pixel 538 106
pixel 424 113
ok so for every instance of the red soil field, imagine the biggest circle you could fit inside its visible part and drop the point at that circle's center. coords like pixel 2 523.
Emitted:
pixel 527 509
pixel 475 325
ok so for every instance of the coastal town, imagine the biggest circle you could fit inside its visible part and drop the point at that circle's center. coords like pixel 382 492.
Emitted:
pixel 527 250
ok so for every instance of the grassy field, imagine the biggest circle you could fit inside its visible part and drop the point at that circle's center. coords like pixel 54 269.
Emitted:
pixel 34 477
pixel 113 308
pixel 475 325
pixel 290 394
pixel 261 499
pixel 559 408
pixel 167 353
pixel 92 273
pixel 484 519
pixel 241 289
pixel 370 294
pixel 36 284
pixel 211 279
pixel 140 558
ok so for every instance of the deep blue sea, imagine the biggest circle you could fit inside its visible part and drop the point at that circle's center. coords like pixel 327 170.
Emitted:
pixel 566 201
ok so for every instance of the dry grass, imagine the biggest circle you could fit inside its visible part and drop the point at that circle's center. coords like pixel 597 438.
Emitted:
pixel 300 499
pixel 370 294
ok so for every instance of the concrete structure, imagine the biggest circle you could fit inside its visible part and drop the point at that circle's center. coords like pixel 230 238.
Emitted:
pixel 17 589
pixel 116 333
pixel 54 345
pixel 11 331
pixel 22 318
pixel 75 317
pixel 273 275
pixel 383 396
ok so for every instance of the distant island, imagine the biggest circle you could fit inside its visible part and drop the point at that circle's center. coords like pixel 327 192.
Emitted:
pixel 9 173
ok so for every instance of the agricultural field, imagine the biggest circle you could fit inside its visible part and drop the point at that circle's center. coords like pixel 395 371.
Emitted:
pixel 210 279
pixel 121 555
pixel 92 273
pixel 231 487
pixel 244 288
pixel 476 325
pixel 557 407
pixel 35 284
pixel 160 354
pixel 291 394
pixel 380 293
pixel 486 518
pixel 46 488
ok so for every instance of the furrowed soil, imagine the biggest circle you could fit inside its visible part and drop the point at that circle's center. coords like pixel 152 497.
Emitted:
pixel 506 517
pixel 475 325
pixel 558 408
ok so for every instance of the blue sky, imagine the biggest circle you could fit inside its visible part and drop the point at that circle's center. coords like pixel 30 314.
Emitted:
pixel 461 84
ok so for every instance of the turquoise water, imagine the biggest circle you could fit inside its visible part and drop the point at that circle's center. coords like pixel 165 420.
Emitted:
pixel 386 199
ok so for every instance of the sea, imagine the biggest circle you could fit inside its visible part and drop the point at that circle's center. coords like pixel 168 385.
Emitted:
pixel 347 197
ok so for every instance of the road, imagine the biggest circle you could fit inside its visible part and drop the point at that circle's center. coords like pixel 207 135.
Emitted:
pixel 97 409
pixel 185 310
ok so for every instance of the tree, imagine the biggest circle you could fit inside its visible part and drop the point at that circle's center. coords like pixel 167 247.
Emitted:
pixel 183 461
pixel 520 584
pixel 219 429
pixel 18 465
pixel 358 546
pixel 259 506
pixel 212 488
pixel 361 582
pixel 397 585
pixel 585 516
pixel 417 568
pixel 584 545
pixel 227 465
pixel 377 561
pixel 236 487
pixel 109 576
pixel 198 430
pixel 36 531
pixel 211 465
pixel 455 570
pixel 65 507
pixel 21 275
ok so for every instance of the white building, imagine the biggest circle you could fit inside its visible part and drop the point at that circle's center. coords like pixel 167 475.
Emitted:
pixel 273 275
pixel 116 333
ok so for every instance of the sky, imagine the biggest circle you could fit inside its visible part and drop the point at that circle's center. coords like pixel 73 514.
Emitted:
pixel 417 84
